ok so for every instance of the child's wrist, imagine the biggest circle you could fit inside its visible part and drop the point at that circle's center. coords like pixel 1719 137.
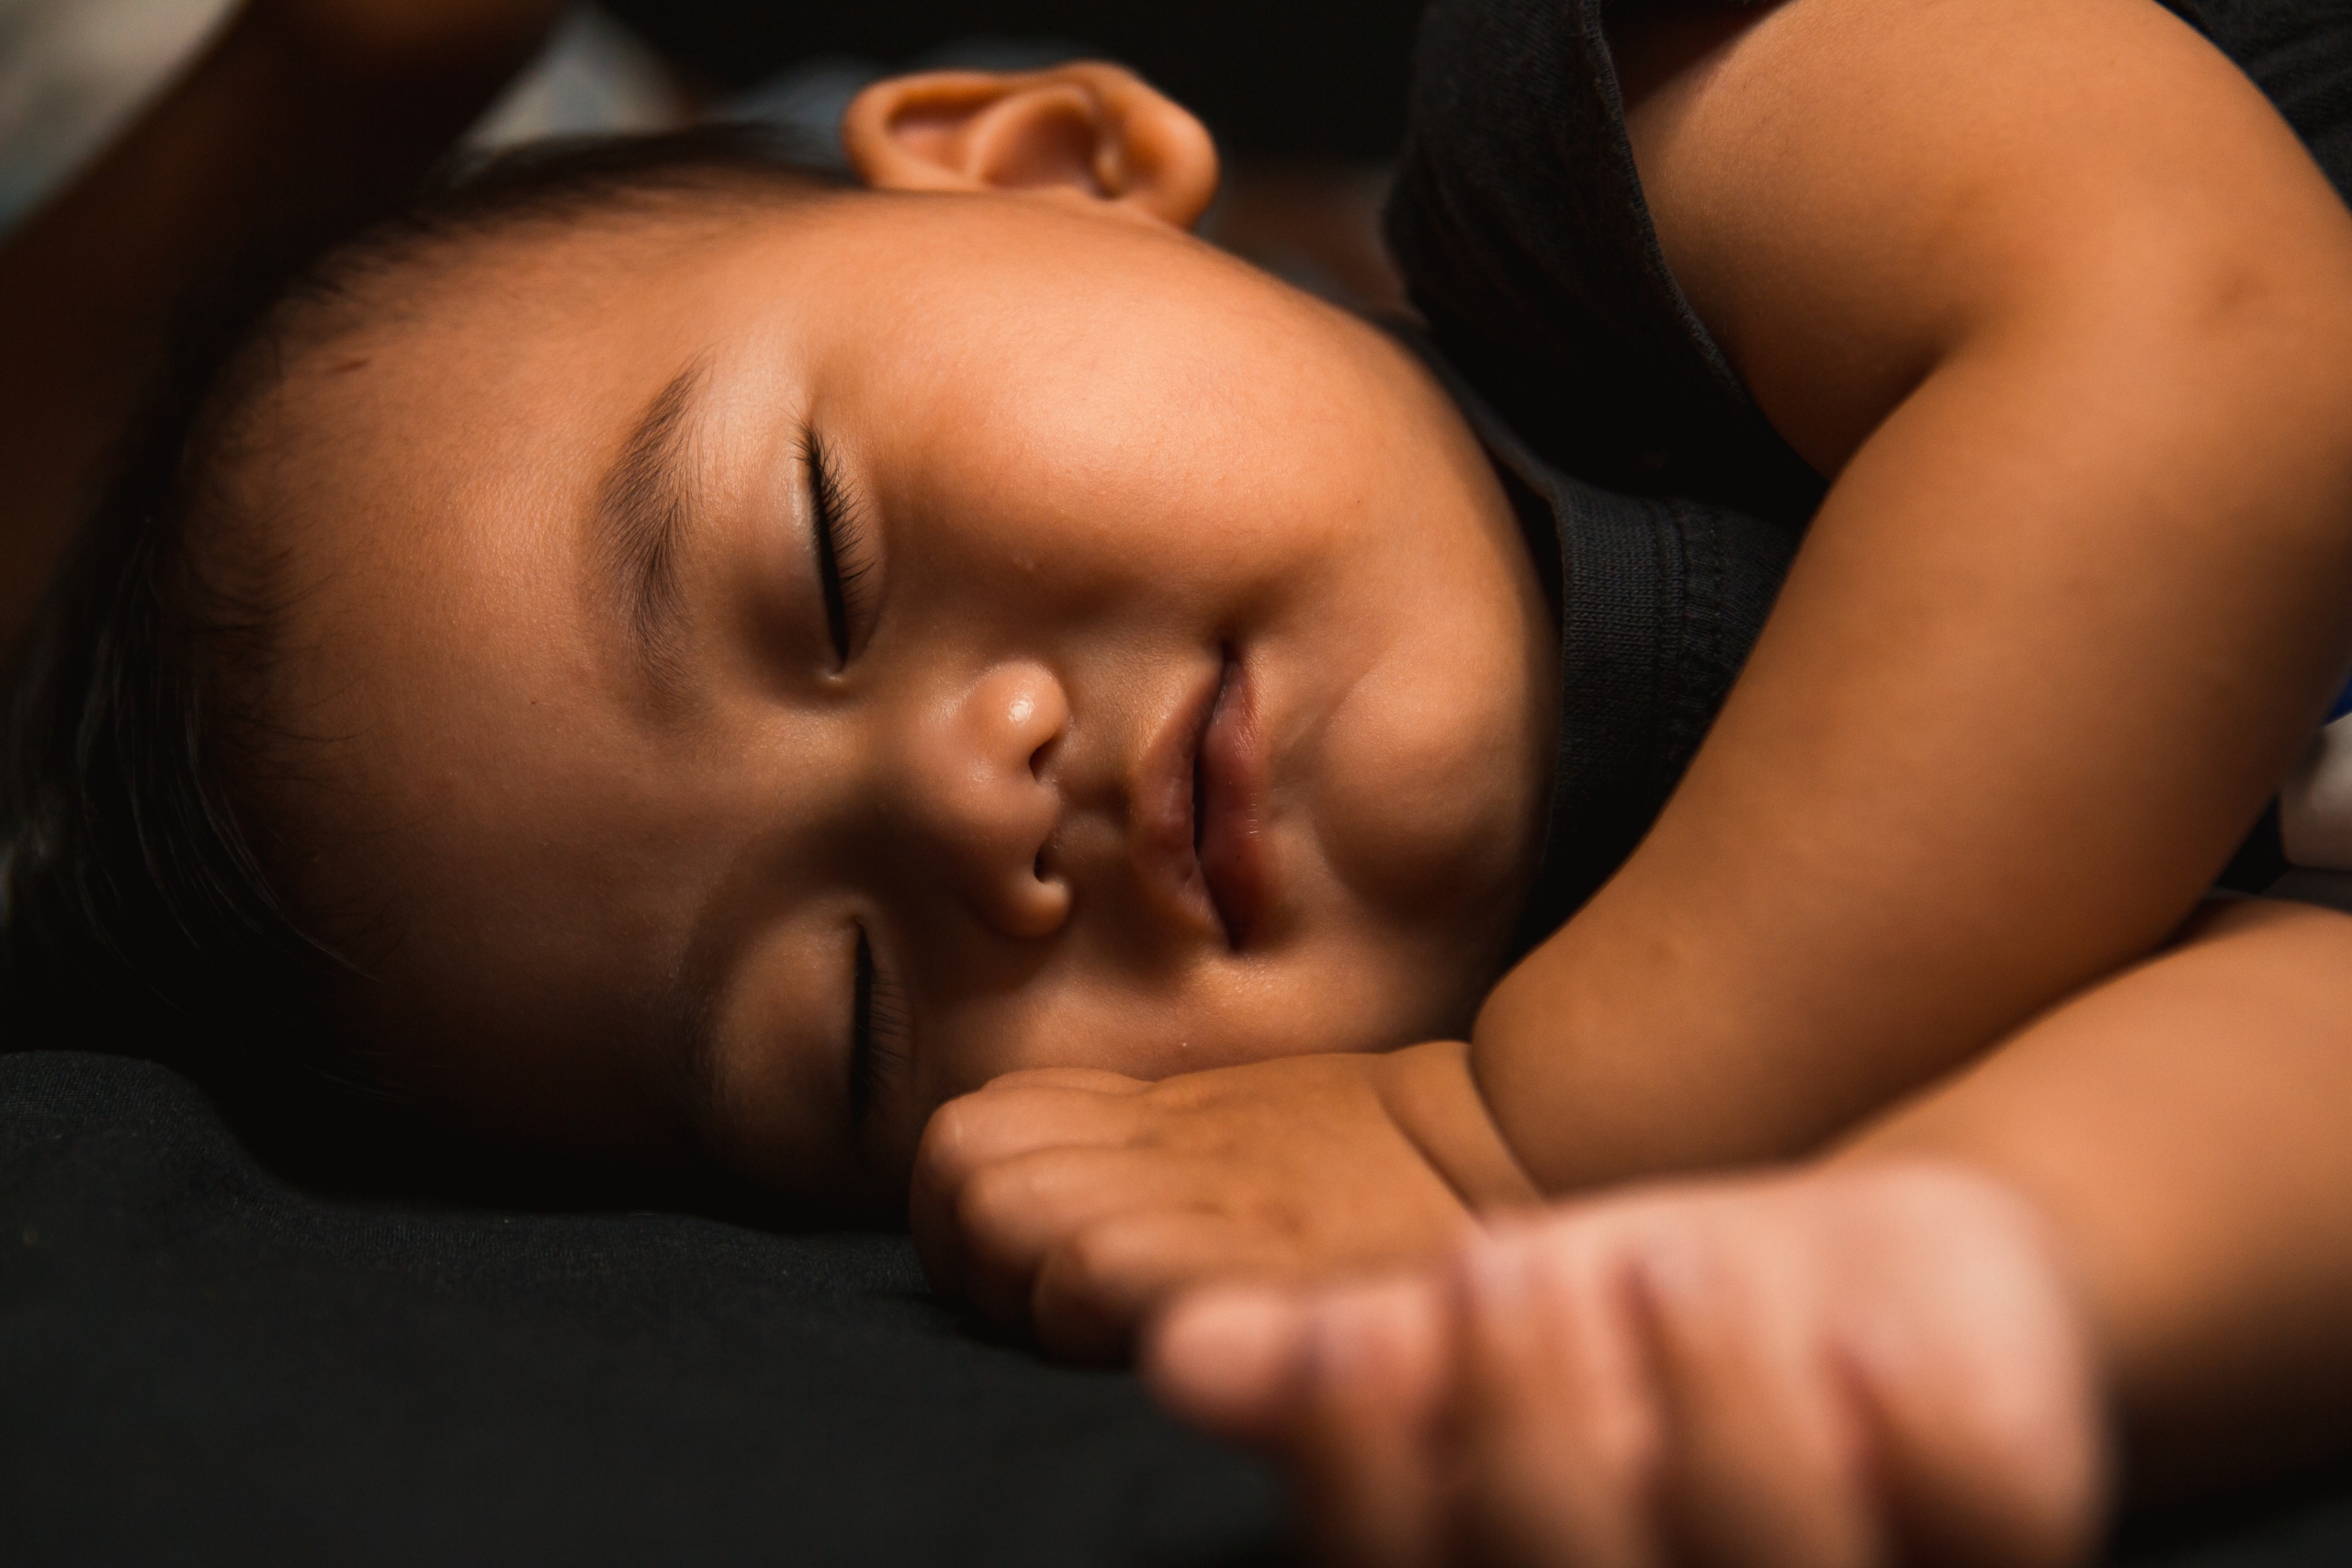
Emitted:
pixel 1430 1092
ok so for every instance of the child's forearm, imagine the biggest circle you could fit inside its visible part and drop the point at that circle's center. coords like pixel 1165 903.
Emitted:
pixel 2184 1127
pixel 301 108
pixel 1952 787
pixel 2074 599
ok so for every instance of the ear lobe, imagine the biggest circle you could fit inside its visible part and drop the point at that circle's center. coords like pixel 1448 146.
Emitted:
pixel 1086 132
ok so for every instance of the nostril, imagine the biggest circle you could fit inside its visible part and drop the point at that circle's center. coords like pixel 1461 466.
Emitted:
pixel 1037 758
pixel 1037 866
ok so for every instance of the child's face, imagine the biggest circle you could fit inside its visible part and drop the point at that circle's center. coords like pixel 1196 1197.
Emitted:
pixel 1196 705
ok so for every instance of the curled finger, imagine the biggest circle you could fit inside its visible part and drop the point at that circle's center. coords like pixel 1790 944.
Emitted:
pixel 1359 1430
pixel 985 1131
pixel 1099 1283
pixel 1554 1430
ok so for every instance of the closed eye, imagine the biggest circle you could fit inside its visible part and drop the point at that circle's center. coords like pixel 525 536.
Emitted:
pixel 844 551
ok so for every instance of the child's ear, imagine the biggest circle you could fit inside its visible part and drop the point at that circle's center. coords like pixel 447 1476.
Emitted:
pixel 1085 132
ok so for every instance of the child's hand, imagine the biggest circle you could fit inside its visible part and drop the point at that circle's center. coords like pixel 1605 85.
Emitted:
pixel 1850 1367
pixel 1072 1203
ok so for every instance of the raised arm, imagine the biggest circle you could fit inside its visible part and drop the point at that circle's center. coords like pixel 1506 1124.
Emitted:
pixel 2066 311
pixel 300 109
pixel 2181 1126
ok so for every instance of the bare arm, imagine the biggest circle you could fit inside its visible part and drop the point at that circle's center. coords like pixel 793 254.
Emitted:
pixel 2067 312
pixel 1884 1356
pixel 300 107
pixel 2185 1128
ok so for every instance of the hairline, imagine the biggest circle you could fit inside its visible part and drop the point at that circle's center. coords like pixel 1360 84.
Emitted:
pixel 234 628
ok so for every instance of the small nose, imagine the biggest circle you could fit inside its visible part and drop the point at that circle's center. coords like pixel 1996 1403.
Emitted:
pixel 976 784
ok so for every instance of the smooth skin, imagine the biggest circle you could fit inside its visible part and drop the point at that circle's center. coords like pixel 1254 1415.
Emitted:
pixel 2080 1266
pixel 2071 606
pixel 635 897
pixel 1079 467
pixel 1821 1370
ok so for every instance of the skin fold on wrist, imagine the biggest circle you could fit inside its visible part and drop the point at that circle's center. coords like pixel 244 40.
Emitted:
pixel 1429 1089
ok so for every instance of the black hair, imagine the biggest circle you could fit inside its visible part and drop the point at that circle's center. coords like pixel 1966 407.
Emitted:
pixel 139 908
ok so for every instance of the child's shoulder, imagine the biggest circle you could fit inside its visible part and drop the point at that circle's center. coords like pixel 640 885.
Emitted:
pixel 1531 239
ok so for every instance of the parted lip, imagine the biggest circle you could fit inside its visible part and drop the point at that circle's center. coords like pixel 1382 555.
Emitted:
pixel 1229 793
pixel 1198 805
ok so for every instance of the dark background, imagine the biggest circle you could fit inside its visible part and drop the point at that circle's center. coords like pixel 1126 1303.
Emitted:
pixel 1304 78
pixel 205 1360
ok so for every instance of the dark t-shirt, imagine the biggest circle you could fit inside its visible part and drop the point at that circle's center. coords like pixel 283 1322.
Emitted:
pixel 1659 600
pixel 1630 443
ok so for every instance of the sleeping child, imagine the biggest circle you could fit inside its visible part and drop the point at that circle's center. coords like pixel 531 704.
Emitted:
pixel 950 689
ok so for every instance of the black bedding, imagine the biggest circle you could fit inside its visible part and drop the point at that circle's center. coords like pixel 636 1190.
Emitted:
pixel 200 1362
pixel 204 1360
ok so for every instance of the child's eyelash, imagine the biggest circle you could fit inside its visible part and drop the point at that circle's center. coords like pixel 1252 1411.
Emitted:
pixel 877 1033
pixel 843 558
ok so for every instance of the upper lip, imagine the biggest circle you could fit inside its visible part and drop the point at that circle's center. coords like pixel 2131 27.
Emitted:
pixel 1197 806
pixel 1167 798
pixel 1230 792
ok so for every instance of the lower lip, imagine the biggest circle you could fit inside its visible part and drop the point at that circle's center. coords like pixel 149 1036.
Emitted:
pixel 1233 806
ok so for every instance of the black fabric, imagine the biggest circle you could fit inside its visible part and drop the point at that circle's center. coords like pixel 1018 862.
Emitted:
pixel 1271 77
pixel 1658 601
pixel 2299 53
pixel 202 1363
pixel 1518 221
pixel 2261 860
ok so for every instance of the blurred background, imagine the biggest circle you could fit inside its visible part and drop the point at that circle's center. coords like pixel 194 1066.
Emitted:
pixel 1306 97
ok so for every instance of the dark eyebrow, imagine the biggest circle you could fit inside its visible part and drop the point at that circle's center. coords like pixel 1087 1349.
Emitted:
pixel 640 514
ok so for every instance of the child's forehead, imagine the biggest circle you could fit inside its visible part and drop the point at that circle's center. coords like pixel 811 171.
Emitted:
pixel 515 329
pixel 524 327
pixel 518 271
